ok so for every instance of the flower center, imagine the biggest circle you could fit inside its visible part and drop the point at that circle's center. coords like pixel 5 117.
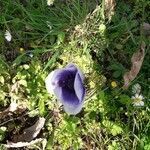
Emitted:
pixel 67 82
pixel 70 83
pixel 137 100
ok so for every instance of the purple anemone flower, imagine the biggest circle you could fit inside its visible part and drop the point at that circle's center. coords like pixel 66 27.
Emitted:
pixel 67 85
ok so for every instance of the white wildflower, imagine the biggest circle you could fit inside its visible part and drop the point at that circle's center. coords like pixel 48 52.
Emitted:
pixel 50 2
pixel 138 100
pixel 8 36
pixel 31 55
pixel 136 88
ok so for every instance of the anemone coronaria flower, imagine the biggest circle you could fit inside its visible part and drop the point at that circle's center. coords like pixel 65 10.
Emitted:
pixel 67 85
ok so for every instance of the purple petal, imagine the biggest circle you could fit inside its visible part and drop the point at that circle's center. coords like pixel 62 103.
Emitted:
pixel 73 109
pixel 58 93
pixel 78 87
pixel 56 78
pixel 61 76
pixel 70 101
pixel 81 74
pixel 72 67
pixel 68 98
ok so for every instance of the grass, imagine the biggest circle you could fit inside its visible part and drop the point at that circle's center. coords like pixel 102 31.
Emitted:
pixel 102 45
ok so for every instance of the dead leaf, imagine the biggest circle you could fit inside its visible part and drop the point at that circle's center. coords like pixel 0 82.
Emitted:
pixel 22 144
pixel 136 60
pixel 13 107
pixel 30 133
pixel 146 29
pixel 109 8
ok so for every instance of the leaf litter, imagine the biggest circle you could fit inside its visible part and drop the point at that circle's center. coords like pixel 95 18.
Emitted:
pixel 136 60
pixel 28 135
pixel 27 138
pixel 145 28
pixel 109 8
pixel 13 108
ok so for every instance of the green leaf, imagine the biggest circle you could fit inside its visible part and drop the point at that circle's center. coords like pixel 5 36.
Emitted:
pixel 2 80
pixel 26 66
pixel 101 95
pixel 61 37
pixel 116 67
pixel 2 133
pixel 19 59
pixel 116 130
pixel 41 106
pixel 102 28
pixel 3 63
pixel 124 99
pixel 50 142
pixel 116 74
pixel 23 82
pixel 114 146
pixel 52 60
pixel 119 46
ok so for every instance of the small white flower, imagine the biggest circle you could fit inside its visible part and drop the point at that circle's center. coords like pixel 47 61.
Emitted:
pixel 31 55
pixel 8 36
pixel 136 88
pixel 138 100
pixel 50 2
